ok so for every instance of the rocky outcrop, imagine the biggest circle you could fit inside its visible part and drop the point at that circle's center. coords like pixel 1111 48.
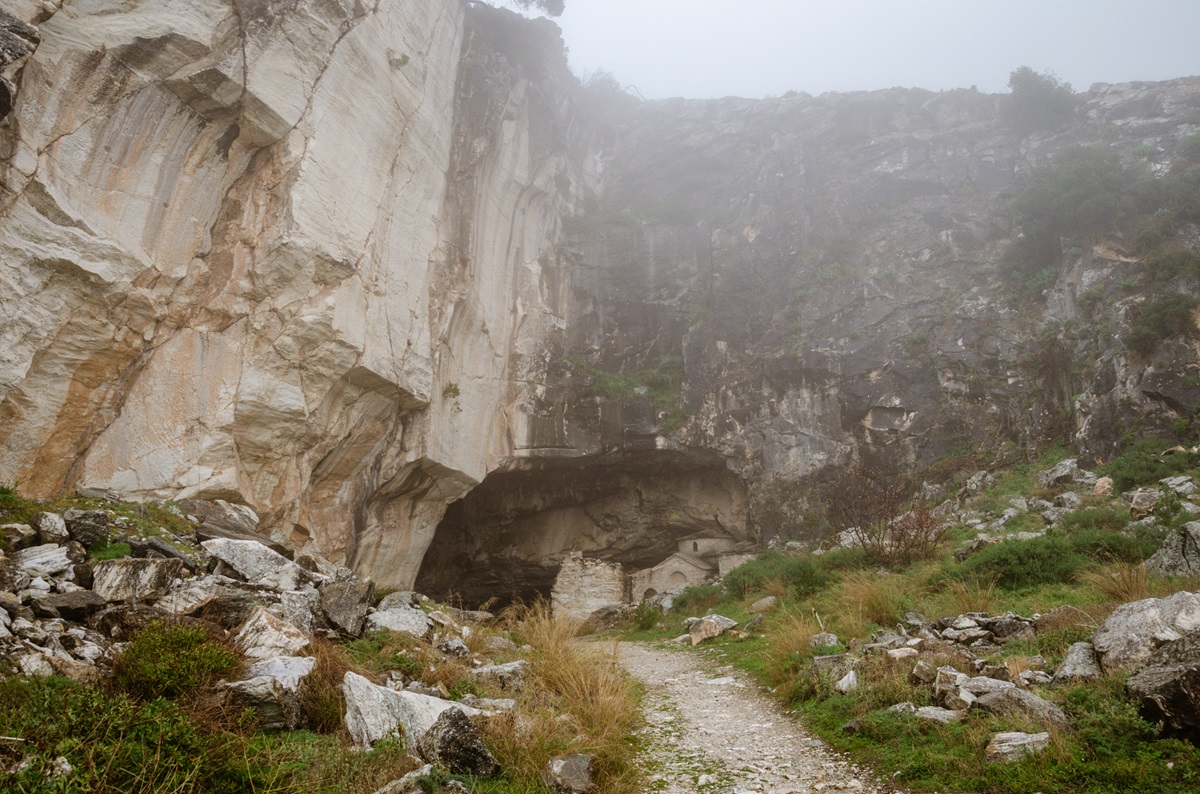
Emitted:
pixel 1168 686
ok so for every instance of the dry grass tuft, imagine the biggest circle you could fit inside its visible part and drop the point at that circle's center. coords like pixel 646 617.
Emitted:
pixel 790 646
pixel 1119 581
pixel 869 597
pixel 972 595
pixel 577 700
pixel 321 696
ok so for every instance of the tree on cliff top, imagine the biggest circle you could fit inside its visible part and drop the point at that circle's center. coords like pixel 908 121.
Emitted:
pixel 551 8
pixel 1038 101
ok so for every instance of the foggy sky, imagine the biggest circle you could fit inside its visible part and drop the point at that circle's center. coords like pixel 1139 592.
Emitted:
pixel 756 48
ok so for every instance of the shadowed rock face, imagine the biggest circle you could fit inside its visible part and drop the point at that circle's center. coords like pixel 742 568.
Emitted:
pixel 507 538
pixel 345 264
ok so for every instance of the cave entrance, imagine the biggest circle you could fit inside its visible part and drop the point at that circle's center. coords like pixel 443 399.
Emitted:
pixel 506 539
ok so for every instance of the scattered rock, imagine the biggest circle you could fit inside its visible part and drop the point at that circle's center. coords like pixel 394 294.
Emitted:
pixel 847 683
pixel 1135 630
pixel 939 715
pixel 764 605
pixel 978 482
pixel 89 527
pixel 271 687
pixel 1065 471
pixel 410 783
pixel 710 626
pixel 1014 745
pixel 1168 687
pixel 507 676
pixel 454 647
pixel 266 635
pixel 51 528
pixel 135 579
pixel 1103 487
pixel 1143 502
pixel 903 708
pixel 404 619
pixel 346 604
pixel 1020 701
pixel 824 640
pixel 374 712
pixel 258 564
pixel 1179 554
pixel 453 743
pixel 76 606
pixel 1079 664
pixel 44 560
pixel 570 774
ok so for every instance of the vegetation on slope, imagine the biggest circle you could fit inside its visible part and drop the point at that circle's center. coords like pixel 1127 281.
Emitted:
pixel 1089 560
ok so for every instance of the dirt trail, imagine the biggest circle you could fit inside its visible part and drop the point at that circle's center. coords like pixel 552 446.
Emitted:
pixel 713 730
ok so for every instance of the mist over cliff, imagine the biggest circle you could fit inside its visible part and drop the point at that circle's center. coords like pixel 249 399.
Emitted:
pixel 391 276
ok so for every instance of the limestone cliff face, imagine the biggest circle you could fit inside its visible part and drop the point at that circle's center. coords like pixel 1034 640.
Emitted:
pixel 345 261
pixel 262 251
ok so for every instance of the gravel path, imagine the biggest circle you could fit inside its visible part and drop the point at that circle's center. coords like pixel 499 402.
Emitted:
pixel 713 730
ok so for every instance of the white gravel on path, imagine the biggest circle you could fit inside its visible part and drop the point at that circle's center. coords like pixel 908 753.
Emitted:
pixel 713 730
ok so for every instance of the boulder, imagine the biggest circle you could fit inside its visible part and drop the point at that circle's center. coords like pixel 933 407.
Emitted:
pixel 258 564
pixel 272 688
pixel 122 621
pixel 44 560
pixel 454 647
pixel 345 604
pixel 374 712
pixel 978 482
pixel 507 676
pixel 1079 664
pixel 1014 745
pixel 1143 502
pixel 1179 554
pixel 570 774
pixel 265 635
pixel 938 715
pixel 401 598
pixel 51 528
pixel 453 743
pixel 76 606
pixel 982 685
pixel 710 626
pixel 1065 471
pixel 763 605
pixel 404 619
pixel 832 666
pixel 1023 702
pixel 1168 687
pixel 19 536
pixel 847 683
pixel 1135 630
pixel 1103 487
pixel 132 579
pixel 824 640
pixel 89 527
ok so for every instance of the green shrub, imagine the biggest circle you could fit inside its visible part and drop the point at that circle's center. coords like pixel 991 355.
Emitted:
pixel 1024 563
pixel 1165 265
pixel 1142 463
pixel 645 616
pixel 165 660
pixel 698 597
pixel 801 574
pixel 1169 315
pixel 1094 518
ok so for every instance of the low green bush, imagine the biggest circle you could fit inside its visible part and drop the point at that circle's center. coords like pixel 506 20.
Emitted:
pixel 698 597
pixel 646 616
pixel 800 573
pixel 1015 564
pixel 116 743
pixel 166 660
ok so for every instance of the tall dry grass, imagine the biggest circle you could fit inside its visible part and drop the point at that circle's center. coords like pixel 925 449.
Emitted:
pixel 867 597
pixel 1118 580
pixel 970 595
pixel 577 699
